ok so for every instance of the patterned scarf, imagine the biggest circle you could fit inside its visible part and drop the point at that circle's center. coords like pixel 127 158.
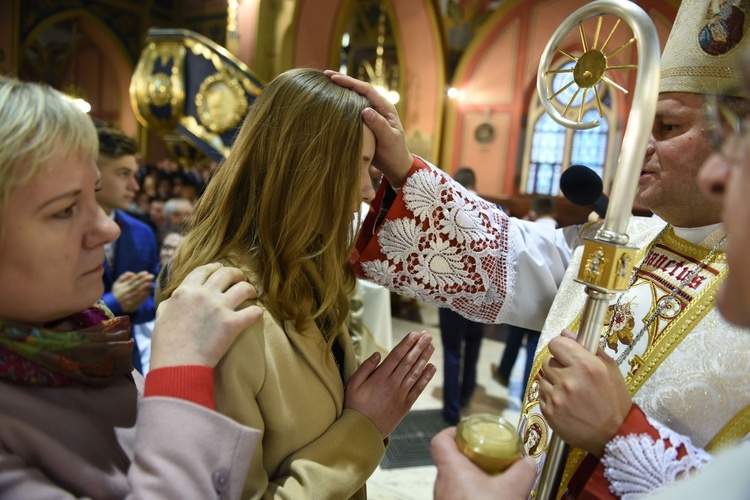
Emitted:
pixel 91 348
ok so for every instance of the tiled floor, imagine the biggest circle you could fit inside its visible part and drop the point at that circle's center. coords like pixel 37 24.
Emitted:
pixel 416 483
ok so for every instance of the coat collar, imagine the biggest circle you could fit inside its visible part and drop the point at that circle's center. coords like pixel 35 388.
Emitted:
pixel 311 345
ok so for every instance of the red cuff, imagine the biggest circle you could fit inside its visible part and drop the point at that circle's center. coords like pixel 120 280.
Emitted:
pixel 589 482
pixel 194 383
pixel 364 250
pixel 636 423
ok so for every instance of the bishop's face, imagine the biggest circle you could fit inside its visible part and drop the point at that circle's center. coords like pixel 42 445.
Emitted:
pixel 678 147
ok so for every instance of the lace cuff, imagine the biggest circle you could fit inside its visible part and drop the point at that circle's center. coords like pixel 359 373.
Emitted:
pixel 440 244
pixel 636 464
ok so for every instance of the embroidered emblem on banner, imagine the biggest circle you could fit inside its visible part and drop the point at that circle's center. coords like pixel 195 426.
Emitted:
pixel 661 272
pixel 622 321
pixel 723 27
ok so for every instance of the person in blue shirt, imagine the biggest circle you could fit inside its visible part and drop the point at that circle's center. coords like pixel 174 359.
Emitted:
pixel 131 262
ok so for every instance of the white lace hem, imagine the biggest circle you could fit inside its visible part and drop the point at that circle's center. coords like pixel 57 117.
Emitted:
pixel 636 465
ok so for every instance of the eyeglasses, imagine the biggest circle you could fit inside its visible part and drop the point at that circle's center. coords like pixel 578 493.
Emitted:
pixel 725 127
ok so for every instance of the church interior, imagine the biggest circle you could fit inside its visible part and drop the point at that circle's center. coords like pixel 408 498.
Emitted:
pixel 462 74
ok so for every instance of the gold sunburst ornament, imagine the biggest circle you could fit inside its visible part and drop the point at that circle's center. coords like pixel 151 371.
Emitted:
pixel 590 69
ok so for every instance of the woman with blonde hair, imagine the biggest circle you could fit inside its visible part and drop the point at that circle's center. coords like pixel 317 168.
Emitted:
pixel 281 209
pixel 73 422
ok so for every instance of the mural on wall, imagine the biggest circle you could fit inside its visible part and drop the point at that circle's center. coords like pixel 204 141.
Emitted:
pixel 124 23
pixel 78 54
pixel 46 55
pixel 48 49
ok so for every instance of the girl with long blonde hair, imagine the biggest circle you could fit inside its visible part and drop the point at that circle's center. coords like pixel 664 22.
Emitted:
pixel 281 208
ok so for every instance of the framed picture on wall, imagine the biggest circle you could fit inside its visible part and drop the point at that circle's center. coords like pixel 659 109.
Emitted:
pixel 484 133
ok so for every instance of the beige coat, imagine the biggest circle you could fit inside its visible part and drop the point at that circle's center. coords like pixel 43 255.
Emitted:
pixel 286 383
pixel 81 442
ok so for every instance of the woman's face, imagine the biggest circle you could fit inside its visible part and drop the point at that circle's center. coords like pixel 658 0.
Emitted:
pixel 169 247
pixel 52 244
pixel 368 153
pixel 149 185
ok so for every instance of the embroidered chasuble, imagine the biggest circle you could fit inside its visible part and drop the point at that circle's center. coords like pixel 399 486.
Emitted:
pixel 687 369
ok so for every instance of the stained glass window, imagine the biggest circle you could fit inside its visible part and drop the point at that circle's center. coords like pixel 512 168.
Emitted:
pixel 561 80
pixel 590 145
pixel 553 148
pixel 547 154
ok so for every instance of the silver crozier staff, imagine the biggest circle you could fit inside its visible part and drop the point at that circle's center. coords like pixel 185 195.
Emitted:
pixel 607 262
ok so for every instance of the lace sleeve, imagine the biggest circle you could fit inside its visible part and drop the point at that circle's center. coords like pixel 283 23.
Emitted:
pixel 638 464
pixel 446 246
pixel 442 245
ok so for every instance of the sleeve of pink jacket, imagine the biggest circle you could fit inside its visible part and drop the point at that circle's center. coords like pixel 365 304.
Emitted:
pixel 76 442
pixel 203 453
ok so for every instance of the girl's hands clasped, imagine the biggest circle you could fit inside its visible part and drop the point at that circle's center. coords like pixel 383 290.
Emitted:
pixel 385 393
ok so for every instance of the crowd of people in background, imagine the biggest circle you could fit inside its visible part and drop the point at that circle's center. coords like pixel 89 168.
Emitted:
pixel 284 409
pixel 167 192
pixel 152 205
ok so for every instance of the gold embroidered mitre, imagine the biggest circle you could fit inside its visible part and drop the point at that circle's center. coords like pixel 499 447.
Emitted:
pixel 704 48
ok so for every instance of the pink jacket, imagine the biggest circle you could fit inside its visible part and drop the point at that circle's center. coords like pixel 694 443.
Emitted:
pixel 82 442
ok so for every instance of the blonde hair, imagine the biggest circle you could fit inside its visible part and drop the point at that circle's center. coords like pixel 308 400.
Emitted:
pixel 37 124
pixel 281 205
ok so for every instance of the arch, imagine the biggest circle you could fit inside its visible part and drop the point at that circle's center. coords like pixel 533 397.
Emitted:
pixel 550 148
pixel 513 38
pixel 420 53
pixel 108 44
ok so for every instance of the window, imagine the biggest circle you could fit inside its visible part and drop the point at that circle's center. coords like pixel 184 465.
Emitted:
pixel 551 148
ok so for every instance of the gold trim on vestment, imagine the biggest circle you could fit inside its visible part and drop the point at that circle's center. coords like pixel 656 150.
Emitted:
pixel 732 432
pixel 673 334
pixel 700 305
